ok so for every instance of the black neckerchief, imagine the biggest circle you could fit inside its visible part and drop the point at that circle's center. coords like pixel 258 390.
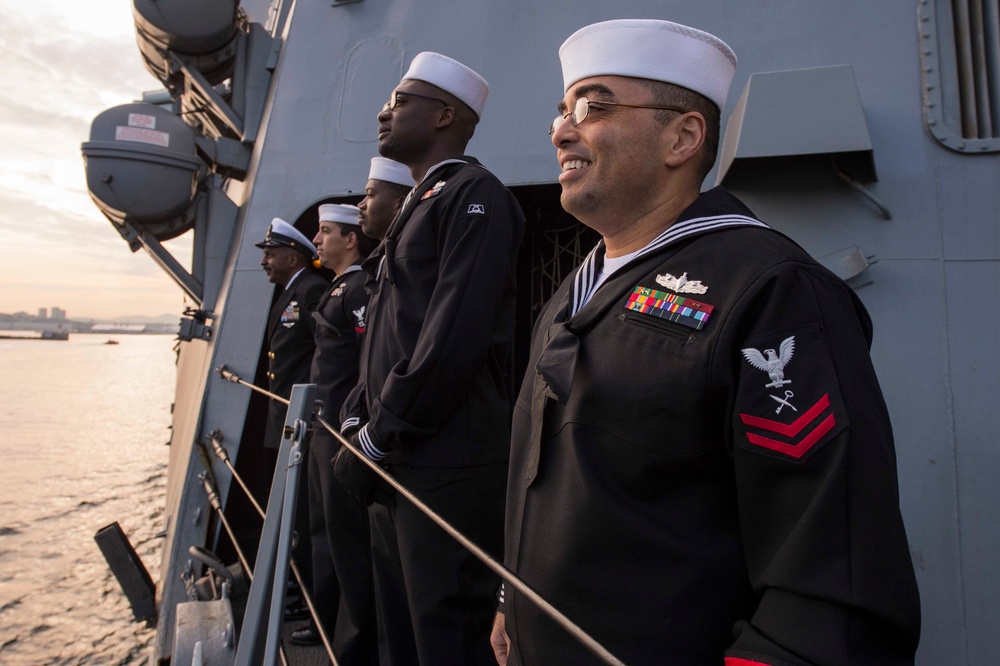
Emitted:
pixel 384 255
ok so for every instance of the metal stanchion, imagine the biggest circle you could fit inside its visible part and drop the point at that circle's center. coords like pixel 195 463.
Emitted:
pixel 215 438
pixel 259 642
pixel 508 577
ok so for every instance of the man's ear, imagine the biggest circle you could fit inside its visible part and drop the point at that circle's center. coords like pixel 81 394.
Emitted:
pixel 352 240
pixel 446 117
pixel 683 138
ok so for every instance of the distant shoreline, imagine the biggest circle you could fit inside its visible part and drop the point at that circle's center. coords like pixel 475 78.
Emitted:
pixel 99 333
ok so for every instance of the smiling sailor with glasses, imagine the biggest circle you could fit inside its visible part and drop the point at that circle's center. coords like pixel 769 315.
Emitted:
pixel 702 467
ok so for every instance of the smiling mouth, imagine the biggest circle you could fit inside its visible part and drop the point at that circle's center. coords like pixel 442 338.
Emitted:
pixel 571 165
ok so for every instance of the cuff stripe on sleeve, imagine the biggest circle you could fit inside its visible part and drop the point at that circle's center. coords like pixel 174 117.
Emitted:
pixel 368 446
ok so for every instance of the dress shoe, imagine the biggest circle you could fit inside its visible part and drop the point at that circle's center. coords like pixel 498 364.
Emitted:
pixel 305 636
pixel 296 610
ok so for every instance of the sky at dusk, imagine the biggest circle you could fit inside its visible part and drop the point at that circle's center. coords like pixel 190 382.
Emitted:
pixel 63 63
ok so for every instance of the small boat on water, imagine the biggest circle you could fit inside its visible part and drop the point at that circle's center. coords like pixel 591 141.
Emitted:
pixel 55 335
pixel 111 341
pixel 269 110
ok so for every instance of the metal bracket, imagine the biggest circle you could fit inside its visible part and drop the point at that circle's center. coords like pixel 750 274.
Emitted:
pixel 230 157
pixel 192 328
pixel 196 84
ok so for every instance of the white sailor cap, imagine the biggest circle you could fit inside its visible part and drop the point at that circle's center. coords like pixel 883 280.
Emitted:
pixel 452 77
pixel 650 49
pixel 341 213
pixel 390 171
pixel 282 234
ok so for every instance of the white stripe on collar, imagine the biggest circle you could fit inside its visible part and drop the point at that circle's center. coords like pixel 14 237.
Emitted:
pixel 430 172
pixel 585 283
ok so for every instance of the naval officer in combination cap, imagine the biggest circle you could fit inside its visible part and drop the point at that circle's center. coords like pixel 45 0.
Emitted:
pixel 702 468
pixel 433 403
pixel 287 261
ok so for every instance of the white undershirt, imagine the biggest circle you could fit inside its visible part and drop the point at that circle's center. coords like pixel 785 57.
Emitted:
pixel 612 264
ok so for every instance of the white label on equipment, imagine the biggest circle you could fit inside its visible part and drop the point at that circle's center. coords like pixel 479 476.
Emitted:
pixel 141 135
pixel 141 120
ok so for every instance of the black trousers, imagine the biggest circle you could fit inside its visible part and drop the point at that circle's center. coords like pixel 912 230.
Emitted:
pixel 435 600
pixel 343 587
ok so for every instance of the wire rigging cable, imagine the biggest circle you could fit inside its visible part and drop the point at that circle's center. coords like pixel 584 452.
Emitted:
pixel 508 577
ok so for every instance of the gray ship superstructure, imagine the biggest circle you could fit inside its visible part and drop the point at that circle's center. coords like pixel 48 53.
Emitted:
pixel 868 132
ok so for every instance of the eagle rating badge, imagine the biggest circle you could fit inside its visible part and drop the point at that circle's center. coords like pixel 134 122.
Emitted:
pixel 774 364
pixel 359 319
pixel 789 423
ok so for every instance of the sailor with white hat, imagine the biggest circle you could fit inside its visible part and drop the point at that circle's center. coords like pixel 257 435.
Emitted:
pixel 654 50
pixel 390 171
pixel 341 555
pixel 388 184
pixel 341 221
pixel 339 213
pixel 451 76
pixel 435 361
pixel 655 493
pixel 436 91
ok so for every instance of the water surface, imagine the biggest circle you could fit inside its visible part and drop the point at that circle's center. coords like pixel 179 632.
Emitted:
pixel 83 432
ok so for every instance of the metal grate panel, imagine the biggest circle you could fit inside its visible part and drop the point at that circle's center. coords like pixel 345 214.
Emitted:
pixel 960 58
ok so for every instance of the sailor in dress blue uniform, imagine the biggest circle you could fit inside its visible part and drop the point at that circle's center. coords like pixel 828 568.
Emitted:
pixel 434 397
pixel 702 466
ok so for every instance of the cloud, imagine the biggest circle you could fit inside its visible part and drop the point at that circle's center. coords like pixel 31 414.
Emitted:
pixel 63 63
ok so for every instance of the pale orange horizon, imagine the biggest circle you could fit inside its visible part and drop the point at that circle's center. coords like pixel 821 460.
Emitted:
pixel 64 63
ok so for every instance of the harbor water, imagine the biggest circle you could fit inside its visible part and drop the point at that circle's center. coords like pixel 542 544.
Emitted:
pixel 83 433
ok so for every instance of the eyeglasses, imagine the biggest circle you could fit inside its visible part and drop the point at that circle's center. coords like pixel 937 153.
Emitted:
pixel 394 99
pixel 583 107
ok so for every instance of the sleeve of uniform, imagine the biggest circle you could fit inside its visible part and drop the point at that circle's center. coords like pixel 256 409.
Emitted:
pixel 356 307
pixel 354 413
pixel 476 247
pixel 314 293
pixel 815 466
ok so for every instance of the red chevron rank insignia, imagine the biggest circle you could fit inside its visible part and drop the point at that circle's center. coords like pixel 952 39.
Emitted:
pixel 788 401
pixel 798 436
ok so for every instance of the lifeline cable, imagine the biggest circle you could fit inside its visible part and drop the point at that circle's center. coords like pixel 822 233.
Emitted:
pixel 215 437
pixel 509 577
pixel 216 503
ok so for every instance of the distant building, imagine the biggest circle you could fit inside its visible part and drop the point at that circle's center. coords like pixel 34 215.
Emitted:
pixel 58 313
pixel 43 313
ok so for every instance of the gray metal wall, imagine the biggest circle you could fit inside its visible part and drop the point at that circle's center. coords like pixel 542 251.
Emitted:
pixel 932 293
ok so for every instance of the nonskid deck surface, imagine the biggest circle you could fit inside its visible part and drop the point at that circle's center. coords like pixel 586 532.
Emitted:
pixel 299 655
